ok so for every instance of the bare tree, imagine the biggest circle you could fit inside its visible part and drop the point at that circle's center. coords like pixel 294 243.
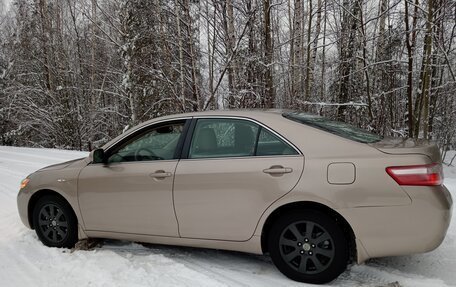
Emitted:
pixel 75 73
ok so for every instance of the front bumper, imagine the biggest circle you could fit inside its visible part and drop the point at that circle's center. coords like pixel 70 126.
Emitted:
pixel 23 198
pixel 400 230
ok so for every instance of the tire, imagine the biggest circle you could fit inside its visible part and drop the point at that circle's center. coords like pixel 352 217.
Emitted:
pixel 316 256
pixel 55 222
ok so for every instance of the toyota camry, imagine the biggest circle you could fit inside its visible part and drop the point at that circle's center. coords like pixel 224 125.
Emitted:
pixel 312 193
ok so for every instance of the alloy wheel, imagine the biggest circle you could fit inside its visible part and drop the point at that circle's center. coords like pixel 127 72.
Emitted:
pixel 53 223
pixel 306 247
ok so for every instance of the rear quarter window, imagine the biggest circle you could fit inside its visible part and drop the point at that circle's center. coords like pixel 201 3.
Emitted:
pixel 270 144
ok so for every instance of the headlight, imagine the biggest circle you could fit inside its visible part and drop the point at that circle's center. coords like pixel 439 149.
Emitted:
pixel 24 182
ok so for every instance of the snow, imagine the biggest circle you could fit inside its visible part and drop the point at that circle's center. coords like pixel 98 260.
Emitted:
pixel 24 261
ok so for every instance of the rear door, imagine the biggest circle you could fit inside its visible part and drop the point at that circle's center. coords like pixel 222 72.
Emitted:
pixel 233 170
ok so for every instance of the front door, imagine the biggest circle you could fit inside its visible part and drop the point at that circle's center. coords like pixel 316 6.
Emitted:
pixel 132 192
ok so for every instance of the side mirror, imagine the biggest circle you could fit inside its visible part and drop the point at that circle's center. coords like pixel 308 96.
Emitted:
pixel 97 156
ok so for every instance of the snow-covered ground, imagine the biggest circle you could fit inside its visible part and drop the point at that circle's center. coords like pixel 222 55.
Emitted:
pixel 24 261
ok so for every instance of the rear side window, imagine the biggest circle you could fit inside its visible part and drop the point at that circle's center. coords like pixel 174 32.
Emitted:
pixel 218 138
pixel 223 138
pixel 338 128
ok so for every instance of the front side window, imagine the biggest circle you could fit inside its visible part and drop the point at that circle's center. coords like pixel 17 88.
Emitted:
pixel 158 143
pixel 215 138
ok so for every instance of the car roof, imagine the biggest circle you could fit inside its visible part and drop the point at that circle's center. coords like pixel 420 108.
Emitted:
pixel 233 113
pixel 237 112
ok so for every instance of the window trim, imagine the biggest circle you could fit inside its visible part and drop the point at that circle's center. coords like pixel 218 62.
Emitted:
pixel 257 139
pixel 191 131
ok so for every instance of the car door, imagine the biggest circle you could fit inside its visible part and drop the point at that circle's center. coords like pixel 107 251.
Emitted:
pixel 132 192
pixel 233 170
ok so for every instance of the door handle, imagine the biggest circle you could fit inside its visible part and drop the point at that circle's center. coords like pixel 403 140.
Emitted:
pixel 160 174
pixel 278 169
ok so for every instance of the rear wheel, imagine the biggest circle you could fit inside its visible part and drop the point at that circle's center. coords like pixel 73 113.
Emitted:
pixel 54 222
pixel 308 246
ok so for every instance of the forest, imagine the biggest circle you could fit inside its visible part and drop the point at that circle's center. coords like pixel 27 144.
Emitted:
pixel 76 73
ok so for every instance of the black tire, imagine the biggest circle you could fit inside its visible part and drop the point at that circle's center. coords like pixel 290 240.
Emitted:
pixel 308 246
pixel 55 222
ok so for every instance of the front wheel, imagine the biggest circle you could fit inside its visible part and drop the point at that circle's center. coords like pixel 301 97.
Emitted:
pixel 308 247
pixel 55 222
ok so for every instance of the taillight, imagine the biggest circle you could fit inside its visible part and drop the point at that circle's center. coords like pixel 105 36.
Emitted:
pixel 427 174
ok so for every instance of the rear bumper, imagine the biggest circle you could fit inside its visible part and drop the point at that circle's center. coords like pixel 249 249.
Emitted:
pixel 400 230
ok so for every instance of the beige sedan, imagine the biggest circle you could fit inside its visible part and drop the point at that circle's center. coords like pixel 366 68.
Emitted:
pixel 313 193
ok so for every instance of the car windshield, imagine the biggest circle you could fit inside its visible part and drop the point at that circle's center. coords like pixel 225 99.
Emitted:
pixel 338 128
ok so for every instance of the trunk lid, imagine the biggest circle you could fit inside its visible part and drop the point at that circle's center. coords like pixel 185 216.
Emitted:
pixel 409 146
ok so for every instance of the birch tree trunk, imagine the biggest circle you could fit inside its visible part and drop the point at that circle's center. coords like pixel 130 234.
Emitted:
pixel 92 52
pixel 348 36
pixel 230 42
pixel 45 45
pixel 422 103
pixel 296 51
pixel 269 98
pixel 193 60
pixel 323 56
pixel 309 71
pixel 410 42
pixel 313 61
pixel 177 11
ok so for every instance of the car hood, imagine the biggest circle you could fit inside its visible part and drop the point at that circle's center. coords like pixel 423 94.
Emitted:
pixel 61 165
pixel 391 145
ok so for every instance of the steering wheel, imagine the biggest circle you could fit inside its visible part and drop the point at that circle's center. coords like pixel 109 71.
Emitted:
pixel 150 155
